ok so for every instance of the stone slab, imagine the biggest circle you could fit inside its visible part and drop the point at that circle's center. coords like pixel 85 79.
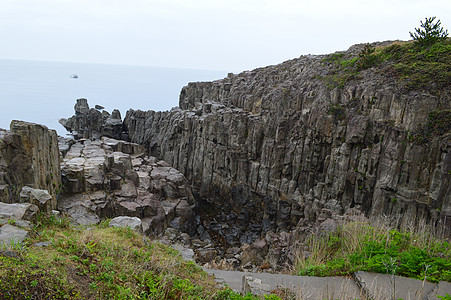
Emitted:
pixel 309 288
pixel 381 286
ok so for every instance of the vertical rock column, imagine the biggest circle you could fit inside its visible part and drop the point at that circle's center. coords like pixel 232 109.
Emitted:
pixel 29 156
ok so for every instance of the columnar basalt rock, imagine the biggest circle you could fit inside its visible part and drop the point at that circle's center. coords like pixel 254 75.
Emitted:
pixel 93 123
pixel 29 157
pixel 274 146
pixel 107 178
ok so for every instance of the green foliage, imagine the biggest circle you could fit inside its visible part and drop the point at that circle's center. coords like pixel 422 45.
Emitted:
pixel 339 112
pixel 367 58
pixel 420 68
pixel 19 280
pixel 429 33
pixel 103 263
pixel 358 246
pixel 47 221
pixel 343 70
pixel 412 67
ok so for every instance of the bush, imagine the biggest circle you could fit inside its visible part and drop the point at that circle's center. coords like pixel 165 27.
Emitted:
pixel 430 34
pixel 355 246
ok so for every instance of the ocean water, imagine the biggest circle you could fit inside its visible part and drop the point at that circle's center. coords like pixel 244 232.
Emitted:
pixel 44 92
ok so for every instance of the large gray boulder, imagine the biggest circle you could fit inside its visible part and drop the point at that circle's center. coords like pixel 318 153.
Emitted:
pixel 18 211
pixel 11 236
pixel 133 223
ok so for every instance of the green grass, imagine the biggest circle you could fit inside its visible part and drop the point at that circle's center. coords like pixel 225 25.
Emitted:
pixel 420 68
pixel 359 246
pixel 413 67
pixel 102 263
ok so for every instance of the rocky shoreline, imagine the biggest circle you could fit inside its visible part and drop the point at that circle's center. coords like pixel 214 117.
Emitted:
pixel 245 170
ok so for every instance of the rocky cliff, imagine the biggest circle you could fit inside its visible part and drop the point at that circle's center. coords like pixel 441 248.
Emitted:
pixel 93 122
pixel 274 147
pixel 29 164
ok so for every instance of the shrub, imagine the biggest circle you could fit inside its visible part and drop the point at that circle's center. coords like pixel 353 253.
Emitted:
pixel 417 253
pixel 429 33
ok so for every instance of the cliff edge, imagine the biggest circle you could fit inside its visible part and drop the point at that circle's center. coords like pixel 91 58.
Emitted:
pixel 275 147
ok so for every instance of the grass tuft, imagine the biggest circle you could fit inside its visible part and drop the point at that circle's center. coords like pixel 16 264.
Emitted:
pixel 360 246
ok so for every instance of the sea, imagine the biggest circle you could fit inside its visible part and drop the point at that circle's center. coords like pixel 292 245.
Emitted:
pixel 43 92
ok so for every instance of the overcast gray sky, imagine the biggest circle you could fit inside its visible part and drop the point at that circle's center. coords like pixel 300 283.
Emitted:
pixel 230 35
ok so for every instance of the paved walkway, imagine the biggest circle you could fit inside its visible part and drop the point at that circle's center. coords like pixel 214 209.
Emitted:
pixel 363 285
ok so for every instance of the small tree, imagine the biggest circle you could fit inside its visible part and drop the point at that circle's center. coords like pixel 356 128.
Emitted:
pixel 430 34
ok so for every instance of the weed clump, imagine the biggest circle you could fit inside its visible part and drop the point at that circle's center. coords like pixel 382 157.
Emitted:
pixel 360 246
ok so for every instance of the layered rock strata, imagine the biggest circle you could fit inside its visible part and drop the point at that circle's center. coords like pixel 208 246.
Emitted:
pixel 275 146
pixel 29 158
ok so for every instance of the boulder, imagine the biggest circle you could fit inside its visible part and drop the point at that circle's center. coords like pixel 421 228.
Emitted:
pixel 18 211
pixel 133 223
pixel 92 123
pixel 11 235
pixel 40 198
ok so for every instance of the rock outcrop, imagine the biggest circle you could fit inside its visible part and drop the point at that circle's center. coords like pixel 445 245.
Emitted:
pixel 29 159
pixel 15 223
pixel 271 148
pixel 93 123
pixel 108 178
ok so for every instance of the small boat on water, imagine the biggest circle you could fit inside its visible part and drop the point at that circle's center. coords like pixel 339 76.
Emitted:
pixel 74 76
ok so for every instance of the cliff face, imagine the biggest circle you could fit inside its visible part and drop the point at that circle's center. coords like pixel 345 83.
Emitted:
pixel 274 146
pixel 29 156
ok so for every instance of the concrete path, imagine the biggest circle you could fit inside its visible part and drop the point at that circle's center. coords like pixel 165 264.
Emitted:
pixel 303 286
pixel 363 285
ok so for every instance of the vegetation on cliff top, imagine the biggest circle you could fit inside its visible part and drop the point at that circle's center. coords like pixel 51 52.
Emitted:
pixel 421 64
pixel 102 263
pixel 413 67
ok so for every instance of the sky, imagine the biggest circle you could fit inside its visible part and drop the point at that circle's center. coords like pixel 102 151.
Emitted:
pixel 226 35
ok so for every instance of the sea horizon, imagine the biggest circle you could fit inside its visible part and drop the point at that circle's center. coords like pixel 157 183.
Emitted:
pixel 43 92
